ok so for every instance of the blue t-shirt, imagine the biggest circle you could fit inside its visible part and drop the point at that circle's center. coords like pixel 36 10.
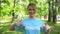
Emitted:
pixel 32 26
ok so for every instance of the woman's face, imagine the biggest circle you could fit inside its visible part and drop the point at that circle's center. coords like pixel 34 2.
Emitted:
pixel 31 11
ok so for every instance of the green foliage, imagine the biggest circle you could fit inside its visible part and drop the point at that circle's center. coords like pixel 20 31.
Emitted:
pixel 21 6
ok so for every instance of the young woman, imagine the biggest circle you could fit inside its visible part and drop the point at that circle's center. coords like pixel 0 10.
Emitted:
pixel 32 24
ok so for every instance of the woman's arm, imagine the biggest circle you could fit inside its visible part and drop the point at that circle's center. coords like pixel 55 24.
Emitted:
pixel 48 31
pixel 47 28
pixel 12 26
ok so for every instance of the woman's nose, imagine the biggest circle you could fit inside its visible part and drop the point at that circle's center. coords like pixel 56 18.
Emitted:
pixel 31 11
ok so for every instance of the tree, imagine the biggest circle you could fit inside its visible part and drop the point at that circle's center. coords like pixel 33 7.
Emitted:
pixel 13 14
pixel 54 10
pixel 49 15
pixel 59 7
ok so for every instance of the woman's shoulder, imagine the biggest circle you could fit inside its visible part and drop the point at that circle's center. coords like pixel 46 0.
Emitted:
pixel 24 19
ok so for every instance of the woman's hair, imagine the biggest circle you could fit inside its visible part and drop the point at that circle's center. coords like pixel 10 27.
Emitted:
pixel 31 4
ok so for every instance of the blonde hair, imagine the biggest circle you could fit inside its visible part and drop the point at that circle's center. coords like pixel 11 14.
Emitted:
pixel 31 4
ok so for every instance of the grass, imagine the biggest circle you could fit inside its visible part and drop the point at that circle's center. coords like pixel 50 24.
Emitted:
pixel 4 29
pixel 55 28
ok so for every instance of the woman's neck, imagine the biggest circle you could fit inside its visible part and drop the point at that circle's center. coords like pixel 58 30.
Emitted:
pixel 32 17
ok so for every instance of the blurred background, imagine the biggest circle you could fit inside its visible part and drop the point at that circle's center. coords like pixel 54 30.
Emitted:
pixel 13 10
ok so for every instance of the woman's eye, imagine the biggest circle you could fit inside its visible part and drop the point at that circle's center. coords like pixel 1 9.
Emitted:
pixel 31 9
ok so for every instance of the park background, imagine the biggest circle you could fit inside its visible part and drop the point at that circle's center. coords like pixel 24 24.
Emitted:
pixel 13 10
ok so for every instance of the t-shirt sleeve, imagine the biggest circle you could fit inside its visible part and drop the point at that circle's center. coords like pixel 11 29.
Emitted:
pixel 41 23
pixel 17 28
pixel 23 22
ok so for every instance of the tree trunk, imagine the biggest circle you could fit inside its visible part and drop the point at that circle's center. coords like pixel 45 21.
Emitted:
pixel 54 16
pixel 49 15
pixel 54 8
pixel 13 14
pixel 59 6
pixel 54 12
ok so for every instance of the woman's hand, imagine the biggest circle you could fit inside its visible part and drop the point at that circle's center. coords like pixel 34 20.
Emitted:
pixel 15 24
pixel 18 24
pixel 47 27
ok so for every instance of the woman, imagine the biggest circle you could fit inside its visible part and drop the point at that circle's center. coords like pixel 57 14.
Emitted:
pixel 32 24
